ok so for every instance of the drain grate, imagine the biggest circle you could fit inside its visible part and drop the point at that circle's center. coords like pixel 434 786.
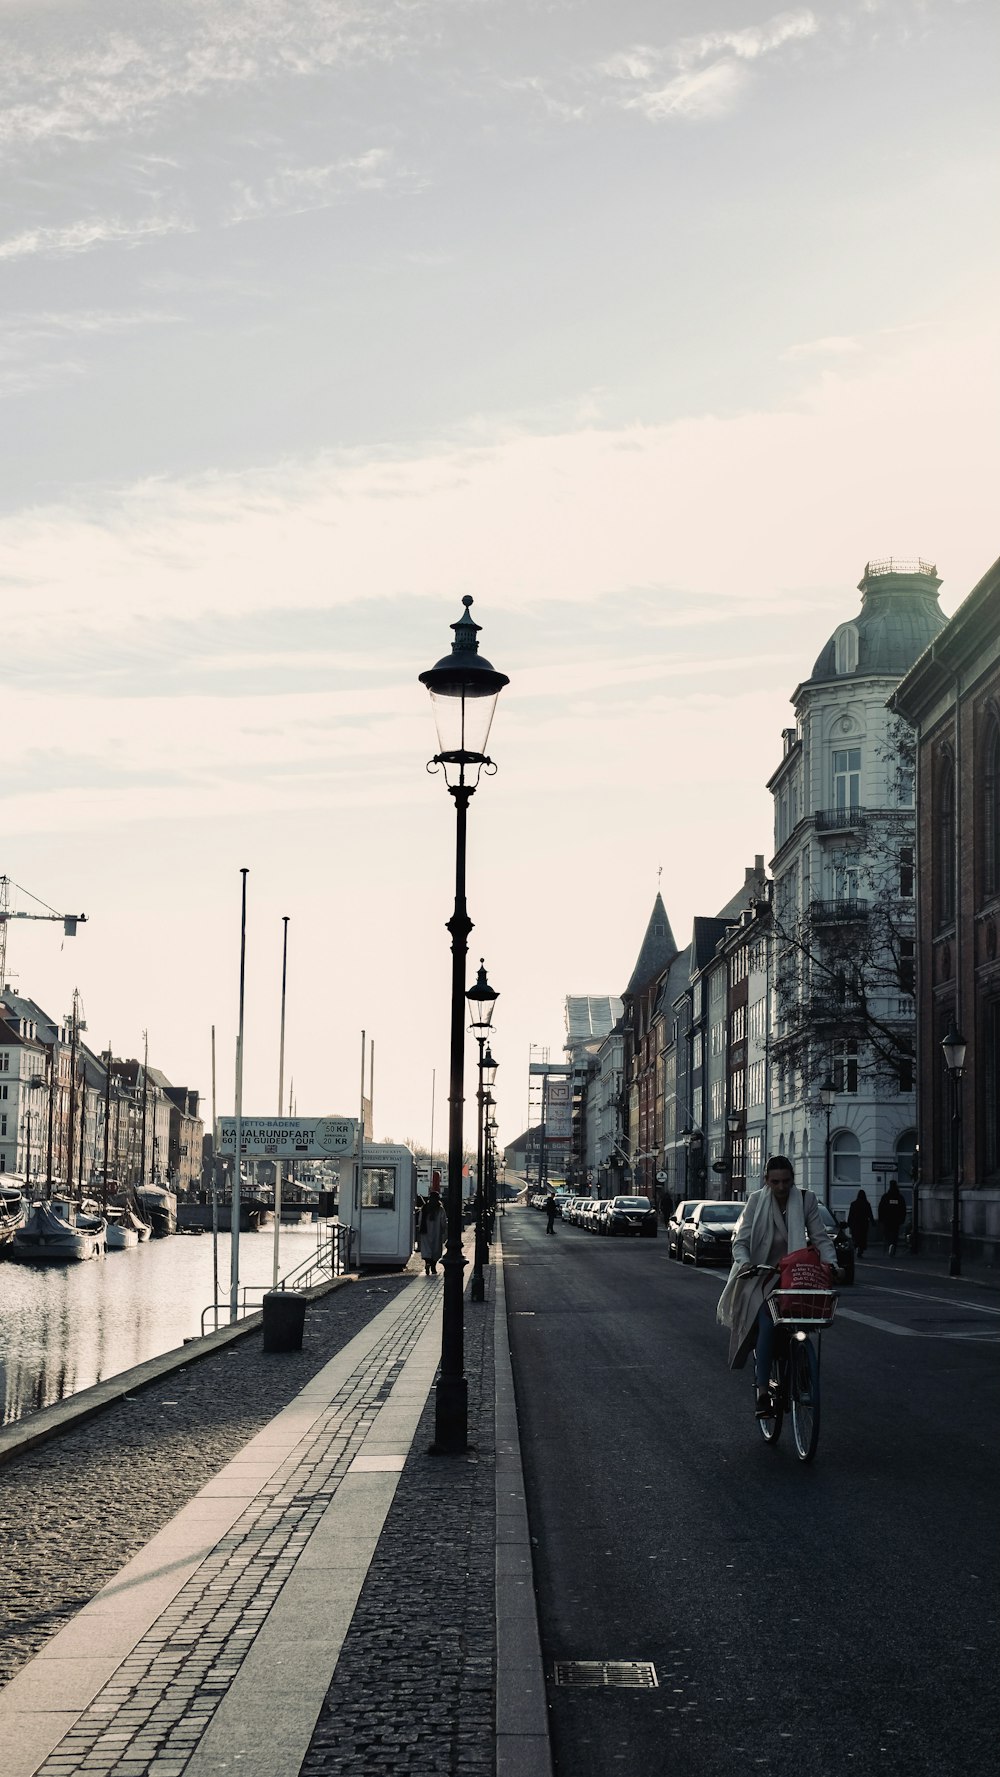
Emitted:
pixel 636 1675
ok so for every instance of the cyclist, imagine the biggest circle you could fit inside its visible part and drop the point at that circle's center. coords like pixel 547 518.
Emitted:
pixel 776 1220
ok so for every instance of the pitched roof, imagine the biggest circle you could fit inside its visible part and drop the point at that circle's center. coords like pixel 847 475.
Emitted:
pixel 658 949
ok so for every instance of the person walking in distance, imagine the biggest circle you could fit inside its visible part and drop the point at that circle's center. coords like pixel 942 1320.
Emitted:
pixel 859 1221
pixel 891 1216
pixel 550 1214
pixel 432 1227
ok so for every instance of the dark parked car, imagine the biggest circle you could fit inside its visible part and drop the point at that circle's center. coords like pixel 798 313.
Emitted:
pixel 630 1215
pixel 675 1225
pixel 707 1235
pixel 842 1241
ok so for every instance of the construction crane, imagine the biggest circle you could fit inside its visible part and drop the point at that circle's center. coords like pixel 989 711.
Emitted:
pixel 69 921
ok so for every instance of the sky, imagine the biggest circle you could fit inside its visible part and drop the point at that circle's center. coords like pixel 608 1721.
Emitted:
pixel 645 324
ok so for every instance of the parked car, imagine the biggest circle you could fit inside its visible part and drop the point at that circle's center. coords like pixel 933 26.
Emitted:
pixel 707 1235
pixel 630 1215
pixel 842 1241
pixel 592 1215
pixel 675 1225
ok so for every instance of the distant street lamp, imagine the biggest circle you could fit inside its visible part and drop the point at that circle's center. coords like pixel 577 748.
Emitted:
pixel 953 1047
pixel 827 1094
pixel 482 1000
pixel 464 688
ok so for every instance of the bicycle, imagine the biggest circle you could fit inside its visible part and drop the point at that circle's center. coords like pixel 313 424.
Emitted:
pixel 794 1381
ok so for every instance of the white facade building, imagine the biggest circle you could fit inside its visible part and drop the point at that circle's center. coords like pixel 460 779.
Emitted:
pixel 844 832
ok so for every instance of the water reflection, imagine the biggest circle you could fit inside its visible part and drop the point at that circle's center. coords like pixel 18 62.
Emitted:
pixel 64 1327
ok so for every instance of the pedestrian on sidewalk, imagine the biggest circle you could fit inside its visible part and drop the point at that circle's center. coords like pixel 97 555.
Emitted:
pixel 891 1216
pixel 432 1227
pixel 859 1221
pixel 550 1214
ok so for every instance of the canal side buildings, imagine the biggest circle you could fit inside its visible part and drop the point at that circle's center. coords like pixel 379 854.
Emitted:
pixel 62 1107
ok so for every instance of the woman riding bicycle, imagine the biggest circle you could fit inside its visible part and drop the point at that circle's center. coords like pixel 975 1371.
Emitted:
pixel 776 1220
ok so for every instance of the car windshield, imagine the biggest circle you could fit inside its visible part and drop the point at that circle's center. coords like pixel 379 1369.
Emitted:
pixel 632 1202
pixel 719 1212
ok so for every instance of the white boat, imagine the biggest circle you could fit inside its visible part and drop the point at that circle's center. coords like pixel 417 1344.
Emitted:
pixel 120 1235
pixel 13 1210
pixel 51 1238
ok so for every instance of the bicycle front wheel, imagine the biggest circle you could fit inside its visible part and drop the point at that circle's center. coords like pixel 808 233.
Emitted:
pixel 770 1426
pixel 804 1390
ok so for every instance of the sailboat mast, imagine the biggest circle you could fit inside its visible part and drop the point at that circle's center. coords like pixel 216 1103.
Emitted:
pixel 107 1122
pixel 142 1146
pixel 72 1098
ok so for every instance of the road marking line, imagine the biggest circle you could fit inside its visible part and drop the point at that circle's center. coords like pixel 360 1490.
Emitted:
pixel 919 1296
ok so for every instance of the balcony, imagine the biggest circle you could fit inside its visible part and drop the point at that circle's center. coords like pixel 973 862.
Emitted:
pixel 845 908
pixel 839 820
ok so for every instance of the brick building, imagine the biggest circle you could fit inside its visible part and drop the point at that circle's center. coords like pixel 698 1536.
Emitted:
pixel 951 697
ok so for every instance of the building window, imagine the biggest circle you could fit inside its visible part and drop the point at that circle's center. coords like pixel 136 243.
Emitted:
pixel 906 872
pixel 906 1073
pixel 754 1160
pixel 906 1157
pixel 991 810
pixel 755 1083
pixel 847 649
pixel 738 1024
pixel 4 1091
pixel 991 1085
pixel 3 1124
pixel 378 1187
pixel 4 1061
pixel 945 841
pixel 847 778
pixel 738 1089
pixel 845 1159
pixel 907 965
pixel 717 1100
pixel 845 1068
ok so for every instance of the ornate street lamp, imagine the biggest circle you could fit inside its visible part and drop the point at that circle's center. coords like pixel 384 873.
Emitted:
pixel 464 688
pixel 953 1047
pixel 482 1000
pixel 827 1094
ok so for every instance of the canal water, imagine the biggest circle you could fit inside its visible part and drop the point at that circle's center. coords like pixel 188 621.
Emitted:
pixel 64 1327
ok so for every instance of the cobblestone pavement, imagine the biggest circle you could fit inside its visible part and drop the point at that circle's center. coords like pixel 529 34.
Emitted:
pixel 153 1713
pixel 413 1694
pixel 73 1511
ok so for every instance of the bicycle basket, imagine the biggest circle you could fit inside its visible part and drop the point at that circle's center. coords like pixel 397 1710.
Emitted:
pixel 802 1308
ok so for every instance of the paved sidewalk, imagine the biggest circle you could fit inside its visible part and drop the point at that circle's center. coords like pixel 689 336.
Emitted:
pixel 331 1601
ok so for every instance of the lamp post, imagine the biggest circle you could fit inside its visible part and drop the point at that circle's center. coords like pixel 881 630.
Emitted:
pixel 734 1123
pixel 827 1094
pixel 464 688
pixel 953 1047
pixel 482 1000
pixel 491 1175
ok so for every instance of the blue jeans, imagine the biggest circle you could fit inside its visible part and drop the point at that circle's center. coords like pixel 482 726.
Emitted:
pixel 765 1345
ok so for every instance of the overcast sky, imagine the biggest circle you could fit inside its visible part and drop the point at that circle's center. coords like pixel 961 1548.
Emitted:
pixel 645 323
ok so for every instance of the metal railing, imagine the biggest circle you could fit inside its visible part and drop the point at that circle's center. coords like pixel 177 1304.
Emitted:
pixel 891 564
pixel 845 907
pixel 327 1262
pixel 838 820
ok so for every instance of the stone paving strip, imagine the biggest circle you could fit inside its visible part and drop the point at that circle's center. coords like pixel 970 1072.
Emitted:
pixel 81 1503
pixel 217 1643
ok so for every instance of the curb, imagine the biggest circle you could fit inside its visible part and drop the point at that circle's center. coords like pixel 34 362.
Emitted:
pixel 522 1719
pixel 50 1422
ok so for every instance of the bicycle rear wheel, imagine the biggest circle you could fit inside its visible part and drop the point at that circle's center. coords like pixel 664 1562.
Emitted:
pixel 804 1388
pixel 770 1428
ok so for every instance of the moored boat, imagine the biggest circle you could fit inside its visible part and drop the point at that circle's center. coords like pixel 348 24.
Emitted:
pixel 160 1209
pixel 48 1237
pixel 13 1210
pixel 120 1235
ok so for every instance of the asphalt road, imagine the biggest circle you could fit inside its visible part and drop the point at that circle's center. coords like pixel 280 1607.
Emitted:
pixel 802 1620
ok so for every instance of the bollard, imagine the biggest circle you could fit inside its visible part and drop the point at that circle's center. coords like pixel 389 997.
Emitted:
pixel 284 1320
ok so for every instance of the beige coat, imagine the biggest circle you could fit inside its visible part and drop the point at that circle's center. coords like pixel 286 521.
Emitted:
pixel 760 1229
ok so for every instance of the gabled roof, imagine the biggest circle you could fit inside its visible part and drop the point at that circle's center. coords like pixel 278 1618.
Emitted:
pixel 658 950
pixel 705 937
pixel 674 981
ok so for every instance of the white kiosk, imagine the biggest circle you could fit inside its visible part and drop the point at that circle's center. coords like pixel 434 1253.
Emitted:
pixel 381 1205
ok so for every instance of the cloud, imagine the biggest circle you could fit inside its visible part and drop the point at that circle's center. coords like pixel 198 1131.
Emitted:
pixel 90 232
pixel 835 345
pixel 295 190
pixel 696 78
pixel 66 90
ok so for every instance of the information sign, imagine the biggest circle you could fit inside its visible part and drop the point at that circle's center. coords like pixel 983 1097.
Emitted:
pixel 289 1138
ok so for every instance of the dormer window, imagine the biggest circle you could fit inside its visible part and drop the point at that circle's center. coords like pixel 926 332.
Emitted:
pixel 847 648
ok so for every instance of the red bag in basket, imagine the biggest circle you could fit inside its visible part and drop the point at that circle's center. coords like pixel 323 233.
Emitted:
pixel 802 1270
